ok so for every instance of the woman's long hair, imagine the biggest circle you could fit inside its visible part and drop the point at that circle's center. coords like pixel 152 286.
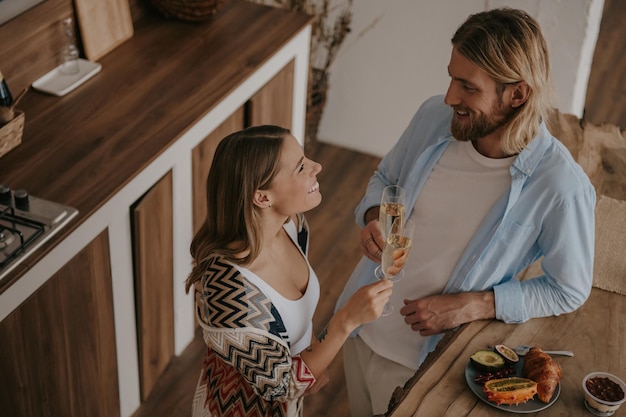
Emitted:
pixel 244 162
pixel 508 45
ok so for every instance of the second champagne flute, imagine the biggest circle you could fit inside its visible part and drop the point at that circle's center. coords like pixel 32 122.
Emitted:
pixel 391 209
pixel 395 253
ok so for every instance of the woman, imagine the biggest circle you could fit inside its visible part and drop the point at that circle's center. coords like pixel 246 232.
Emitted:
pixel 255 290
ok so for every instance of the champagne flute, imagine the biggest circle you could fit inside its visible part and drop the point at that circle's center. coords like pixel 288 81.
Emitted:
pixel 391 208
pixel 395 253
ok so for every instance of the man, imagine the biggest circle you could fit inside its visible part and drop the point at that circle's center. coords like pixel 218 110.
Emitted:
pixel 491 191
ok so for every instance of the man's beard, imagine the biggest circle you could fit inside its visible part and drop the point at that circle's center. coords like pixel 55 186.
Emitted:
pixel 479 126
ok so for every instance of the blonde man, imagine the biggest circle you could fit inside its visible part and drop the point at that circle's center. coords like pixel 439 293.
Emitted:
pixel 491 191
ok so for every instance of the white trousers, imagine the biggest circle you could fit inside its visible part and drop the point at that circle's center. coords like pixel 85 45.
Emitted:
pixel 370 378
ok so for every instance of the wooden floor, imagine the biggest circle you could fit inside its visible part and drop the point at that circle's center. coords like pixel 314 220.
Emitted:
pixel 334 247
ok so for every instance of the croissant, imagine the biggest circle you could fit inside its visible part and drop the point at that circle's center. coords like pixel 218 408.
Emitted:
pixel 541 368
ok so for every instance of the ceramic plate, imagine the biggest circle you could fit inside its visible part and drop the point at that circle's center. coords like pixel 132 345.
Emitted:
pixel 531 406
pixel 59 84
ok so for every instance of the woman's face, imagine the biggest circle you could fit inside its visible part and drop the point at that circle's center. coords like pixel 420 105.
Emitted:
pixel 295 188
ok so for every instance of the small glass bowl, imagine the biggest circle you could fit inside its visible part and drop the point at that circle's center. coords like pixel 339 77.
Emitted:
pixel 599 406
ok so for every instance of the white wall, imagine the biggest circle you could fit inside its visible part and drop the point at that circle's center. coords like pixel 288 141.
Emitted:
pixel 398 51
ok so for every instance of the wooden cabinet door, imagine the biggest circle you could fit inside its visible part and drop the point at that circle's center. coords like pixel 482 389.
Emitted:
pixel 273 103
pixel 58 348
pixel 202 156
pixel 153 262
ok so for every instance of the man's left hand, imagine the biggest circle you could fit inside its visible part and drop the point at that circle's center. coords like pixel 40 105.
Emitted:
pixel 438 313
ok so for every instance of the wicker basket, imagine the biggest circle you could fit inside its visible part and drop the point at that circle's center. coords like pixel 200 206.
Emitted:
pixel 11 133
pixel 189 10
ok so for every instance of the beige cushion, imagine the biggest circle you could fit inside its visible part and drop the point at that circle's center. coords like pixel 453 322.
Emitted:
pixel 609 271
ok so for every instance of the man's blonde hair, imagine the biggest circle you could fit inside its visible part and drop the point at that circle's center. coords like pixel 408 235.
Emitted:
pixel 508 45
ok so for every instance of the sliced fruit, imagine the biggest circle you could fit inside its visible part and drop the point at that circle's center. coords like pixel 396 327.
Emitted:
pixel 507 353
pixel 487 361
pixel 510 390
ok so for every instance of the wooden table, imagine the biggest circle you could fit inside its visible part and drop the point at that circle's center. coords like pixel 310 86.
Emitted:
pixel 596 333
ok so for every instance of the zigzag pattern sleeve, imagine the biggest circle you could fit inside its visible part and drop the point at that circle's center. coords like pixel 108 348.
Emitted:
pixel 245 330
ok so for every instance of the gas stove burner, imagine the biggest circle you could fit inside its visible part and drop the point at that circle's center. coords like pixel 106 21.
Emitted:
pixel 26 222
pixel 6 238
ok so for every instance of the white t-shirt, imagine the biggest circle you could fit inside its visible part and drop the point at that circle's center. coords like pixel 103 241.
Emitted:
pixel 297 315
pixel 457 196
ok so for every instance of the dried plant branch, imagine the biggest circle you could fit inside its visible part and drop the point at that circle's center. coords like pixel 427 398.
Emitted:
pixel 329 29
pixel 330 26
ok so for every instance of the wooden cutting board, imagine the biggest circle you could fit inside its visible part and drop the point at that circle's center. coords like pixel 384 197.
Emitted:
pixel 104 24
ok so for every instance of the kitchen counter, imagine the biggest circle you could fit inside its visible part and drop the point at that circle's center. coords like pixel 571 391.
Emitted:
pixel 83 148
pixel 102 147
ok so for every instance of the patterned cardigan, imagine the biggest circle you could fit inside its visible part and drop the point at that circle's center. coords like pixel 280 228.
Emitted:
pixel 248 369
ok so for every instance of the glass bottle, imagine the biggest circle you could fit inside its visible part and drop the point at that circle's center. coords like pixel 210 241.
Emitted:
pixel 69 54
pixel 6 99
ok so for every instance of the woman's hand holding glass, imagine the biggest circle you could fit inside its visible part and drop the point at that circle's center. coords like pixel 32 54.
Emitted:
pixel 366 304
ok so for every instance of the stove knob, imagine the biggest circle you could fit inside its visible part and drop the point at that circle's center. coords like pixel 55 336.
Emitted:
pixel 21 199
pixel 5 195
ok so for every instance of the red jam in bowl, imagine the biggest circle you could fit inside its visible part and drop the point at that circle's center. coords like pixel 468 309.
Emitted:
pixel 604 389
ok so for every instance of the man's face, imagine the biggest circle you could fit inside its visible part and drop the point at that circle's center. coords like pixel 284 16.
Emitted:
pixel 479 109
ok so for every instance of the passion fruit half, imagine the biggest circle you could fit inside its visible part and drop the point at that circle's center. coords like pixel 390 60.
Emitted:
pixel 507 353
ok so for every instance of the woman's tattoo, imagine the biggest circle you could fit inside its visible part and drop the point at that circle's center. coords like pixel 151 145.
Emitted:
pixel 320 338
pixel 323 334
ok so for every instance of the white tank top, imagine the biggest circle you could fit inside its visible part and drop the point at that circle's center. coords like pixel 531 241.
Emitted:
pixel 297 314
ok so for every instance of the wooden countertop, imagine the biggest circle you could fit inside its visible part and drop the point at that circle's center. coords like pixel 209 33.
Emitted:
pixel 80 149
pixel 596 333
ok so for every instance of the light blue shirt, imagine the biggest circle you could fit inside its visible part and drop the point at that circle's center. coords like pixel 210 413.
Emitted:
pixel 548 212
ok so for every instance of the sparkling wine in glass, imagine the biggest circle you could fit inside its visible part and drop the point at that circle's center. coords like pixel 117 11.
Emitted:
pixel 395 253
pixel 391 207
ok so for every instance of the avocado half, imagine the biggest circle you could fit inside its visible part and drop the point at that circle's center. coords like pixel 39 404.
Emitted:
pixel 487 361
